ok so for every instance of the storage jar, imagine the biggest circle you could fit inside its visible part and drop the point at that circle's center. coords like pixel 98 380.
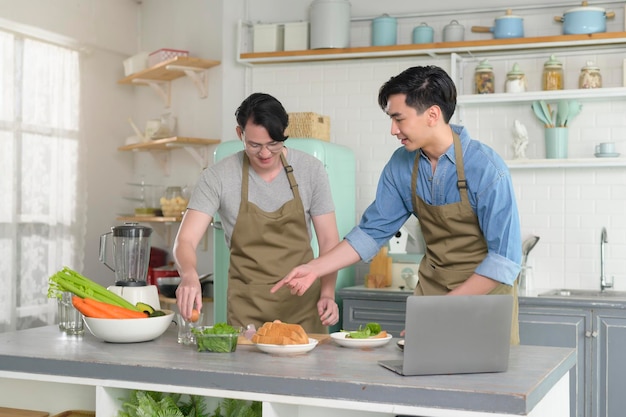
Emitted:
pixel 384 30
pixel 515 80
pixel 552 74
pixel 330 24
pixel 590 76
pixel 423 33
pixel 484 79
pixel 453 32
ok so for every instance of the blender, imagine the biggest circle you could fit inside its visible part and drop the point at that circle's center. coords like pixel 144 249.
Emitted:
pixel 131 257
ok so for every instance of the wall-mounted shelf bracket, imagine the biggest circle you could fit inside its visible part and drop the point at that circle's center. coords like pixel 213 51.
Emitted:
pixel 199 76
pixel 199 154
pixel 162 88
pixel 163 159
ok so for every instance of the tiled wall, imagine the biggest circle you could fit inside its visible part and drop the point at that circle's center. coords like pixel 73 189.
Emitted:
pixel 566 207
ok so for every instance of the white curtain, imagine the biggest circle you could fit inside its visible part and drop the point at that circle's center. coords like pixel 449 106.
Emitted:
pixel 42 218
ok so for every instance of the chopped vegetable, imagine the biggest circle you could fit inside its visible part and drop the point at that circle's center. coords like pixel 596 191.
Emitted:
pixel 219 338
pixel 69 280
pixel 370 329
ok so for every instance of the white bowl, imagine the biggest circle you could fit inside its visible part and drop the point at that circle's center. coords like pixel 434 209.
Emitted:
pixel 129 330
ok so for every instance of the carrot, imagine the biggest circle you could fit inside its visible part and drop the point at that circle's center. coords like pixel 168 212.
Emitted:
pixel 87 310
pixel 115 311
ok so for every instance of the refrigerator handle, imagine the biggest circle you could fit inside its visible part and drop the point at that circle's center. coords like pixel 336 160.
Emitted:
pixel 217 225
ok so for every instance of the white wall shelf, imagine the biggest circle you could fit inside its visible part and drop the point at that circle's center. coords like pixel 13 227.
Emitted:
pixel 566 163
pixel 433 49
pixel 574 94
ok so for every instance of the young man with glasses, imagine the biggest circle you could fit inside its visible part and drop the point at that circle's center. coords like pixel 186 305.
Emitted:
pixel 267 196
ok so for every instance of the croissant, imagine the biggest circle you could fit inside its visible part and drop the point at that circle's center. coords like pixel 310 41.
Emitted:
pixel 279 333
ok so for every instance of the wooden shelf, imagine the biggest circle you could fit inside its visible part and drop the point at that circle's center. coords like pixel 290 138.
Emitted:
pixel 160 72
pixel 168 143
pixel 436 48
pixel 159 77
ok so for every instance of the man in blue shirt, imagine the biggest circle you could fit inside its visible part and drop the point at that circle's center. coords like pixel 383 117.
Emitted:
pixel 459 189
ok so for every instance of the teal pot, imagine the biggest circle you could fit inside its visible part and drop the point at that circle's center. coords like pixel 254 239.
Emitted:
pixel 423 34
pixel 384 31
pixel 584 20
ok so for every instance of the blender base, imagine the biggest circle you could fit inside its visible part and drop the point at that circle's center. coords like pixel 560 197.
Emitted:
pixel 147 294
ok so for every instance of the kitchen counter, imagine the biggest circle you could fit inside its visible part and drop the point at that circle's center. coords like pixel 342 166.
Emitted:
pixel 329 376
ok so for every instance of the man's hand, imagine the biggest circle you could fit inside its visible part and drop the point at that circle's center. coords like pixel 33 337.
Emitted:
pixel 328 311
pixel 298 280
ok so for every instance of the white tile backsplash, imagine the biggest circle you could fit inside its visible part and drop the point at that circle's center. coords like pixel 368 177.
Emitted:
pixel 567 208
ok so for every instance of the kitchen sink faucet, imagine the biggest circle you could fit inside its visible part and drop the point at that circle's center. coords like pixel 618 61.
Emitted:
pixel 604 284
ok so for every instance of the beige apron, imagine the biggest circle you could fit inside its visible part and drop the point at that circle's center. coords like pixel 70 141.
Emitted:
pixel 455 245
pixel 264 248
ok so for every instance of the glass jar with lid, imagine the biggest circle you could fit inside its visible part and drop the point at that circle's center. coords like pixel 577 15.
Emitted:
pixel 515 80
pixel 484 79
pixel 552 74
pixel 590 76
pixel 173 203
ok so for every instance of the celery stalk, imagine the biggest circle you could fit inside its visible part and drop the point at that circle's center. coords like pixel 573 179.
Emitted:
pixel 69 280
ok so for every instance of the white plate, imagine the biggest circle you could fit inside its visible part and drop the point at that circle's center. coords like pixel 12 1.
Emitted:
pixel 341 340
pixel 129 330
pixel 287 349
pixel 607 155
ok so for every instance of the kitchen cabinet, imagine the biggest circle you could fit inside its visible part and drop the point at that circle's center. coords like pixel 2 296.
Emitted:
pixel 598 332
pixel 386 306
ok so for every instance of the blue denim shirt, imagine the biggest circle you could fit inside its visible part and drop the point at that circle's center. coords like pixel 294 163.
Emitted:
pixel 491 196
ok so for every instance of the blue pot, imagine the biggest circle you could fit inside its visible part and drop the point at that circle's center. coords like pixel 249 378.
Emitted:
pixel 384 31
pixel 584 20
pixel 423 34
pixel 507 26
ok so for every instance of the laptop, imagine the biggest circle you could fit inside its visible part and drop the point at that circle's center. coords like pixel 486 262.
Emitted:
pixel 455 335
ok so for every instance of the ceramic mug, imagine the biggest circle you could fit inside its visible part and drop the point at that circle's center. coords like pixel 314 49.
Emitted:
pixel 605 148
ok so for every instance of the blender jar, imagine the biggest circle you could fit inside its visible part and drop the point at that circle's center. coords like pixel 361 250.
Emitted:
pixel 131 253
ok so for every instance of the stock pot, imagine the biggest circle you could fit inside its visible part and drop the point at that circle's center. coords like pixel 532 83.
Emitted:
pixel 584 20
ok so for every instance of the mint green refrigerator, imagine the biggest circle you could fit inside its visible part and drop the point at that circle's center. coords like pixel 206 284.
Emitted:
pixel 341 167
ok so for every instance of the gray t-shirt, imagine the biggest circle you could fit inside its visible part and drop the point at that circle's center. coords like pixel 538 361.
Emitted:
pixel 219 189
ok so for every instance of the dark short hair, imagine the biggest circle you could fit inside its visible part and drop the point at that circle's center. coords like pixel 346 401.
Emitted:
pixel 424 87
pixel 264 110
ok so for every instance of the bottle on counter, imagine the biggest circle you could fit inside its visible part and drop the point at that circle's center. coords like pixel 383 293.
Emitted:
pixel 590 76
pixel 484 79
pixel 552 74
pixel 515 80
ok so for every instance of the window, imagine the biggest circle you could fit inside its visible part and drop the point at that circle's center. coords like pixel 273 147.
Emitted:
pixel 41 223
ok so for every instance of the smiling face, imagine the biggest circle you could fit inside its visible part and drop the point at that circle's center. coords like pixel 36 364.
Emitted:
pixel 414 130
pixel 263 151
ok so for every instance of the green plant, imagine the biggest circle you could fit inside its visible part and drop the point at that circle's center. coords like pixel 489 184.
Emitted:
pixel 158 404
pixel 238 408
